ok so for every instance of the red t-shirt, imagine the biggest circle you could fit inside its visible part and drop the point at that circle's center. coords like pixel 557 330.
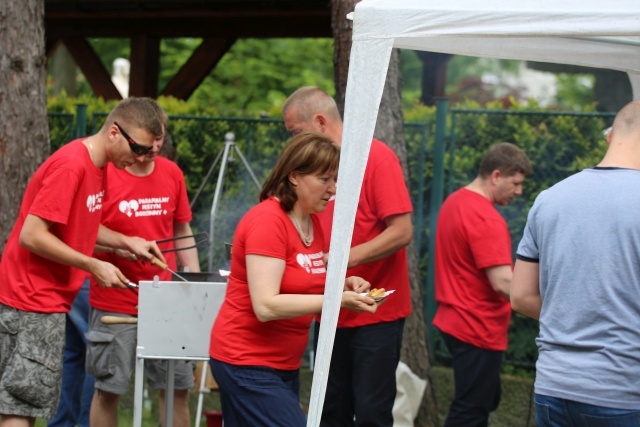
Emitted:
pixel 384 193
pixel 144 206
pixel 237 336
pixel 471 236
pixel 66 190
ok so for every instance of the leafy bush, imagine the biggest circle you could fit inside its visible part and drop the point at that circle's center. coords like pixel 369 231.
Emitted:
pixel 558 144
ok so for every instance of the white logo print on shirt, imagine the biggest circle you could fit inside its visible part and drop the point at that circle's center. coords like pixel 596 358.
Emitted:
pixel 152 206
pixel 94 201
pixel 128 208
pixel 313 263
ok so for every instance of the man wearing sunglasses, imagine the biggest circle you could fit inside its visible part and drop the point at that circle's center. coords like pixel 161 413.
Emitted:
pixel 49 253
pixel 148 198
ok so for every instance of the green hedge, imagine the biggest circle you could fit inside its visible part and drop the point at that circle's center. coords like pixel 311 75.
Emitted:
pixel 558 144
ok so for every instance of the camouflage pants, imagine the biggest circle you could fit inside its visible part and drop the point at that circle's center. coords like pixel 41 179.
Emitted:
pixel 31 349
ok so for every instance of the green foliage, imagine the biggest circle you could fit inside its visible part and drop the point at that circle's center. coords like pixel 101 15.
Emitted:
pixel 462 67
pixel 254 77
pixel 419 133
pixel 278 67
pixel 411 69
pixel 558 144
pixel 110 49
pixel 174 54
pixel 575 90
pixel 516 403
pixel 63 111
pixel 200 143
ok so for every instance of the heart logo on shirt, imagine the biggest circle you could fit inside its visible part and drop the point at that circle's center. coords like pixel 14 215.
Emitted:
pixel 304 261
pixel 129 207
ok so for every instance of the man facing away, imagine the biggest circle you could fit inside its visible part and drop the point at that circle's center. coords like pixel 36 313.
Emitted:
pixel 364 343
pixel 578 272
pixel 473 269
pixel 49 247
pixel 150 199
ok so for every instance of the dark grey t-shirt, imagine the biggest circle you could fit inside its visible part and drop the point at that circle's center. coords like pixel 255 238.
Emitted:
pixel 585 233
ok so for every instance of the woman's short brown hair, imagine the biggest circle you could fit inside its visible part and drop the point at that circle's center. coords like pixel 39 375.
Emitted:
pixel 306 153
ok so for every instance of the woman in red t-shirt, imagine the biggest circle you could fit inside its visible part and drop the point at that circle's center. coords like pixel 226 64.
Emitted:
pixel 275 287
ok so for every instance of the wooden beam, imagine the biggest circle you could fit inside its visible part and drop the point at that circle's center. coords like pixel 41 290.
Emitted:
pixel 146 22
pixel 197 68
pixel 196 27
pixel 145 66
pixel 92 67
pixel 197 23
pixel 50 46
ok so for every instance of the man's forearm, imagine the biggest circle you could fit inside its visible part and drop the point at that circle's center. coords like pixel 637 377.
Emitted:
pixel 396 236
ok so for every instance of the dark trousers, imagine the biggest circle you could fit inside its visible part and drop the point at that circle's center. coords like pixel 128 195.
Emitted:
pixel 477 383
pixel 253 396
pixel 77 386
pixel 362 376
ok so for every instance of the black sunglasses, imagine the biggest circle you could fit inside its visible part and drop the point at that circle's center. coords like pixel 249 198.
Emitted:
pixel 140 150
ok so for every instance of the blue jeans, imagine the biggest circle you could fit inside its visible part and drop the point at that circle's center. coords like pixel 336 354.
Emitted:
pixel 555 412
pixel 77 387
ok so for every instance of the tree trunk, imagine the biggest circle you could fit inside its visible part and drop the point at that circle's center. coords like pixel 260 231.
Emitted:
pixel 389 128
pixel 24 130
pixel 342 30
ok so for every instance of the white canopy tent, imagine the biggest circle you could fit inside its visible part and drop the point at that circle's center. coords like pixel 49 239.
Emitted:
pixel 587 32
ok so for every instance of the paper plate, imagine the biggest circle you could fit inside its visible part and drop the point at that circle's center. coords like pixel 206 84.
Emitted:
pixel 386 294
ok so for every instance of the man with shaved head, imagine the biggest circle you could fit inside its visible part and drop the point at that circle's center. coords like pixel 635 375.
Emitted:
pixel 364 343
pixel 578 272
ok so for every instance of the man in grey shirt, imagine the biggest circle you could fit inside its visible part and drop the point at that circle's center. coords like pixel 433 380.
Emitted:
pixel 578 272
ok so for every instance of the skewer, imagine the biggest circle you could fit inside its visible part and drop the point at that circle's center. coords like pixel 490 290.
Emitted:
pixel 164 266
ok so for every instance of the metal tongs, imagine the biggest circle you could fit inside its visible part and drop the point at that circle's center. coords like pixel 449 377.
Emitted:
pixel 200 238
pixel 155 261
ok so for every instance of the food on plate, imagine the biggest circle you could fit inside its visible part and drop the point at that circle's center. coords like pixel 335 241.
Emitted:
pixel 376 293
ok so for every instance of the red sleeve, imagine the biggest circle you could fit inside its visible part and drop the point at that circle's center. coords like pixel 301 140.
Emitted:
pixel 266 235
pixel 385 184
pixel 490 243
pixel 52 204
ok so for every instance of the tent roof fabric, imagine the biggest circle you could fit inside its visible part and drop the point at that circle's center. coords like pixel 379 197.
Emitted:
pixel 590 33
pixel 416 18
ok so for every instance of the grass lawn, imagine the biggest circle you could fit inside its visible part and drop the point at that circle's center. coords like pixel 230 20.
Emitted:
pixel 514 409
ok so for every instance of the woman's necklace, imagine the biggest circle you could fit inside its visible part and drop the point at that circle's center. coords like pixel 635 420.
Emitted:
pixel 307 238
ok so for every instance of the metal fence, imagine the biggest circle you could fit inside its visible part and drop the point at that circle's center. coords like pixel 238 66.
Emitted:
pixel 558 144
pixel 442 154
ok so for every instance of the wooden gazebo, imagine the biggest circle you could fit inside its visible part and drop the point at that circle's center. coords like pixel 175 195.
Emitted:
pixel 219 23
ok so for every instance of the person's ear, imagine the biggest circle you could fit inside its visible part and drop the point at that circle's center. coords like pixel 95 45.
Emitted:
pixel 113 133
pixel 495 176
pixel 293 179
pixel 321 122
